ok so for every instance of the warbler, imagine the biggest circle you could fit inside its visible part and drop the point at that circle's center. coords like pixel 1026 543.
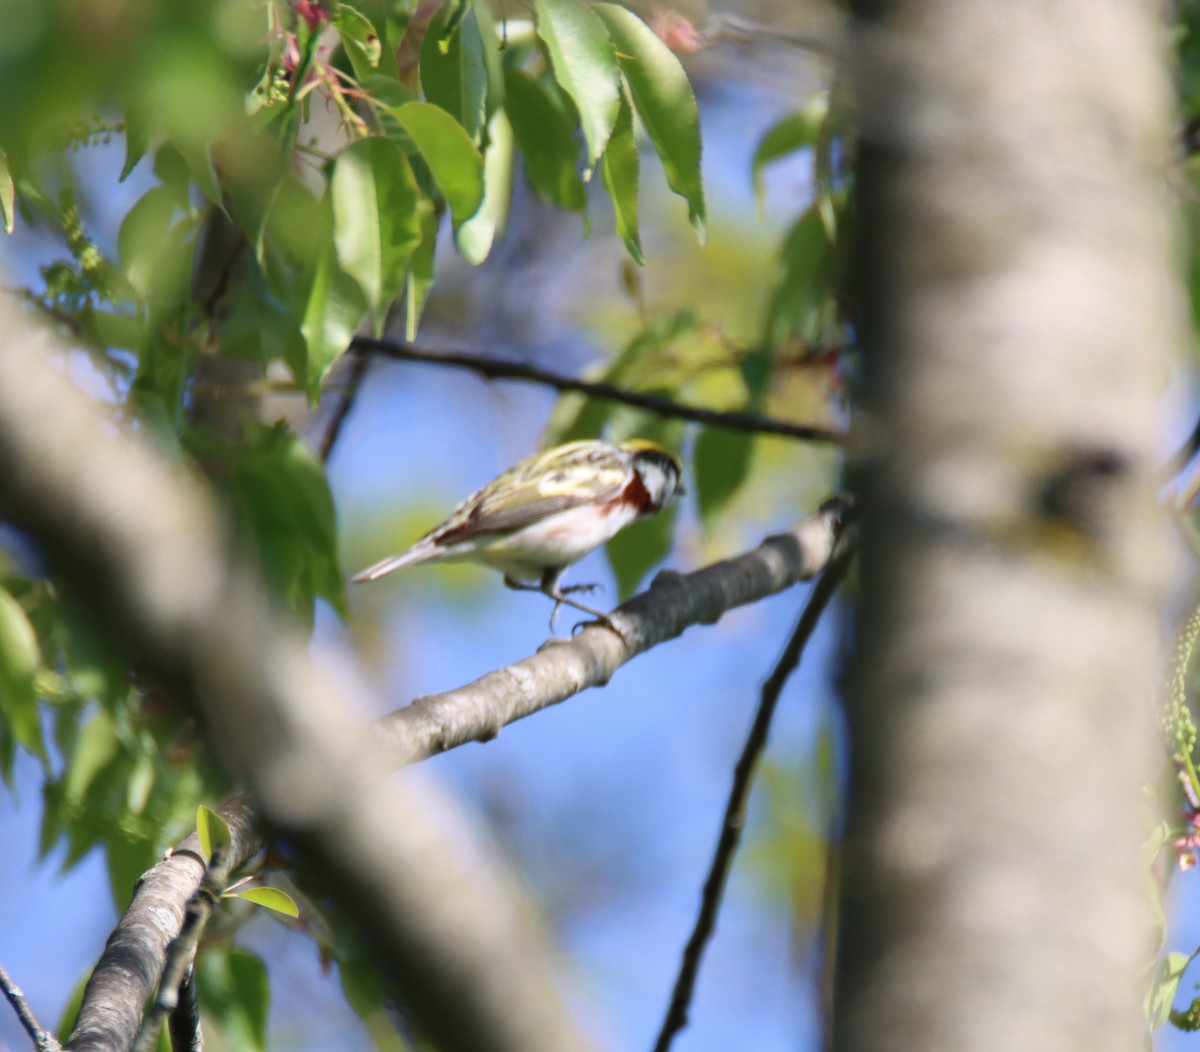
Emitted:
pixel 547 512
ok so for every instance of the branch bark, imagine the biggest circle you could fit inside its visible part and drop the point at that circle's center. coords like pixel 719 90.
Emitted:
pixel 1017 278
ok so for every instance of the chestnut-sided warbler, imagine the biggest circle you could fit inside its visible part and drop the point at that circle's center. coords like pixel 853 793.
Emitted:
pixel 547 512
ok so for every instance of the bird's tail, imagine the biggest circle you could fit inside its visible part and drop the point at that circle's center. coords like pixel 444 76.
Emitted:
pixel 419 553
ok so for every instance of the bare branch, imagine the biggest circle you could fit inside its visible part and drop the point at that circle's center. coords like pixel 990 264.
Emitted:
pixel 562 668
pixel 354 382
pixel 43 1040
pixel 739 795
pixel 182 951
pixel 499 369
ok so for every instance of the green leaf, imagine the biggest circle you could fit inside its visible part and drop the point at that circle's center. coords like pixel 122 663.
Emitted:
pixel 271 898
pixel 212 831
pixel 1163 987
pixel 95 748
pixel 453 160
pixel 665 102
pixel 454 71
pixel 20 658
pixel 235 990
pixel 474 238
pixel 8 195
pixel 334 310
pixel 722 461
pixel 584 64
pixel 137 139
pixel 546 140
pixel 420 273
pixel 796 131
pixel 795 302
pixel 359 40
pixel 155 250
pixel 619 168
pixel 284 509
pixel 376 224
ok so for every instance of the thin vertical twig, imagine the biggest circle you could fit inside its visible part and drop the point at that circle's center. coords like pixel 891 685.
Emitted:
pixel 358 373
pixel 735 809
pixel 43 1040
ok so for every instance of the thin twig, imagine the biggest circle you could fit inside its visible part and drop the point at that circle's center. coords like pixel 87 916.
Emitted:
pixel 358 373
pixel 499 369
pixel 182 950
pixel 735 809
pixel 43 1040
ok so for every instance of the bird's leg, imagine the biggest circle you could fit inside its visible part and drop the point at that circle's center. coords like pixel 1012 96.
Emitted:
pixel 549 586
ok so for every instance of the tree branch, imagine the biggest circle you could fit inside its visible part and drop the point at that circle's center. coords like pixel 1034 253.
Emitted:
pixel 739 795
pixel 498 369
pixel 43 1040
pixel 182 951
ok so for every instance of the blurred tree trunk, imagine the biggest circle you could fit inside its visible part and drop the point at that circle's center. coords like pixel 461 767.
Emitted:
pixel 1016 281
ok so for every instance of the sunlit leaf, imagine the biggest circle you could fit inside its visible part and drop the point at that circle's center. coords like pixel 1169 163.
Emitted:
pixel 420 274
pixel 359 39
pixel 335 308
pixel 270 898
pixel 619 169
pixel 665 102
pixel 376 224
pixel 20 658
pixel 546 139
pixel 212 831
pixel 584 64
pixel 8 195
pixel 474 238
pixel 455 164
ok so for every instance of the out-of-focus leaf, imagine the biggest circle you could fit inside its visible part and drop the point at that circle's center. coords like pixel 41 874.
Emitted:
pixel 722 461
pixel 619 170
pixel 492 59
pixel 359 39
pixel 420 273
pixel 665 101
pixel 127 857
pixel 20 658
pixel 270 898
pixel 335 308
pixel 453 160
pixel 796 299
pixel 212 831
pixel 474 238
pixel 8 195
pixel 454 73
pixel 95 749
pixel 796 131
pixel 235 990
pixel 1161 994
pixel 546 140
pixel 154 248
pixel 376 224
pixel 281 496
pixel 585 65
pixel 639 548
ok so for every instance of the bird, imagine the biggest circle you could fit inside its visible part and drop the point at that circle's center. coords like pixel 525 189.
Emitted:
pixel 547 512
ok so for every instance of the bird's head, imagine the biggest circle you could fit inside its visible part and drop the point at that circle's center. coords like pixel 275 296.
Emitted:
pixel 658 468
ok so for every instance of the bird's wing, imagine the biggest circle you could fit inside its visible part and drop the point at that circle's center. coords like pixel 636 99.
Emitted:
pixel 530 491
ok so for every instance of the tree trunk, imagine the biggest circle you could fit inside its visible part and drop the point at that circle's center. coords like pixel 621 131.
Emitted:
pixel 1016 279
